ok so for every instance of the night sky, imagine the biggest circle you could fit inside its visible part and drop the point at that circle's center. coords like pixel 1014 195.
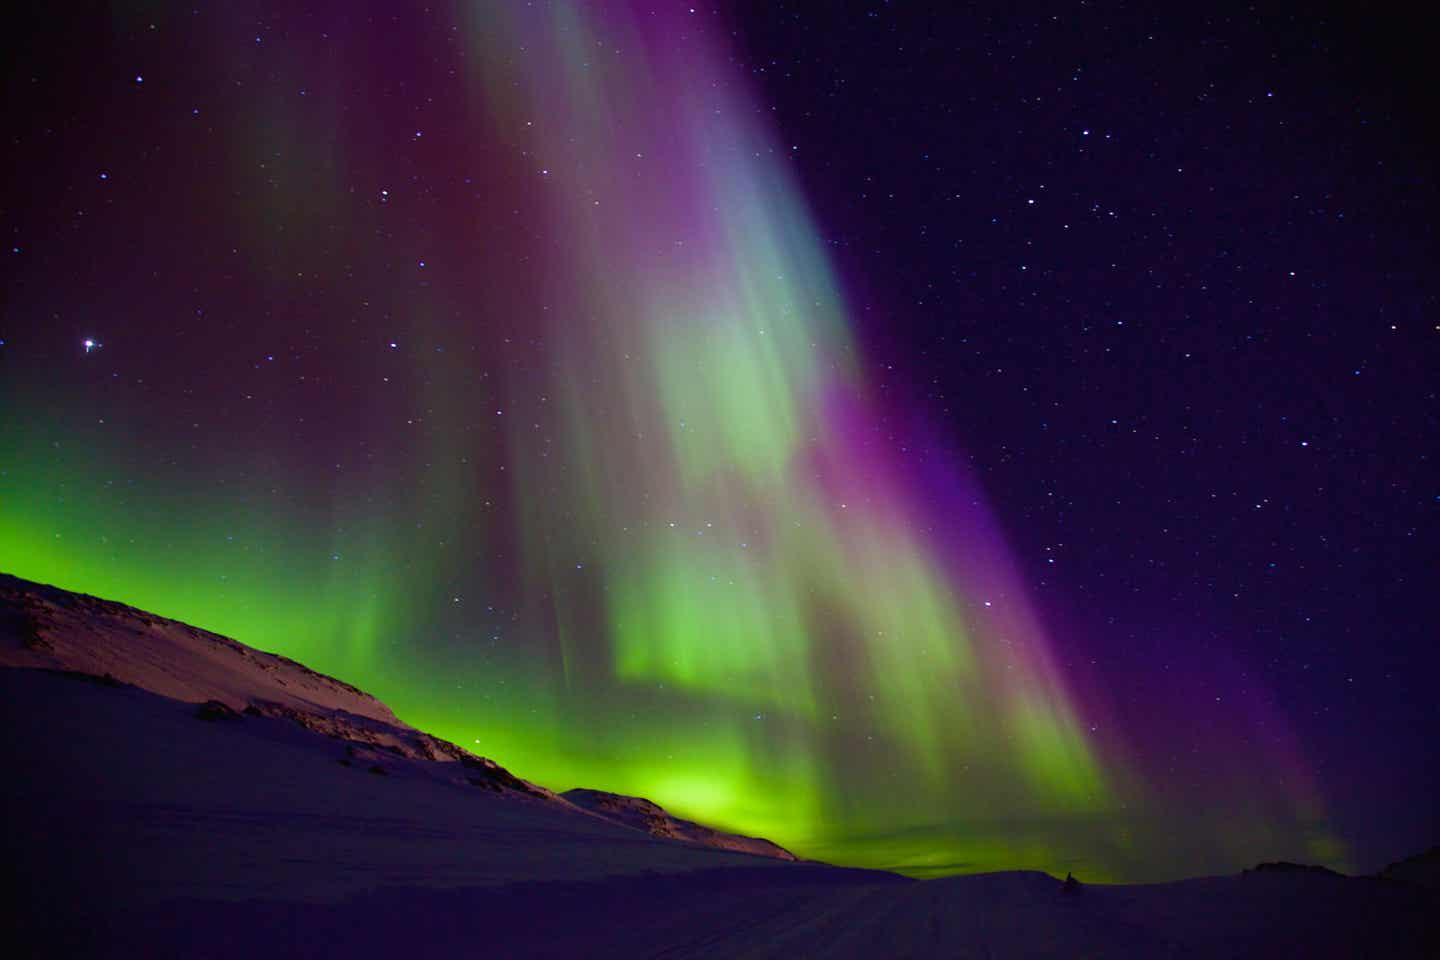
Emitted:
pixel 940 441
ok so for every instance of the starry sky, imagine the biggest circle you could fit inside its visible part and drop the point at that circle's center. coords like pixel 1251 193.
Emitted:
pixel 941 441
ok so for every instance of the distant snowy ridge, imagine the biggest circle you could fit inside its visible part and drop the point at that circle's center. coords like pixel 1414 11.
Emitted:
pixel 47 628
pixel 1421 870
pixel 653 819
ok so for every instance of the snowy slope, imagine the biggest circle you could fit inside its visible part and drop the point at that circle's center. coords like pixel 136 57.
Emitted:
pixel 139 825
pixel 43 627
pixel 51 628
pixel 653 819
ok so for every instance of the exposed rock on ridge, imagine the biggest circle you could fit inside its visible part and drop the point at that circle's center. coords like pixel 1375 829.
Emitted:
pixel 653 819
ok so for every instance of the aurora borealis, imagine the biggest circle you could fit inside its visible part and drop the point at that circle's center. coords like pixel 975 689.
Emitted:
pixel 495 359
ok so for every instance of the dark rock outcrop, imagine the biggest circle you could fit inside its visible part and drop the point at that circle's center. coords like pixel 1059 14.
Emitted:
pixel 216 711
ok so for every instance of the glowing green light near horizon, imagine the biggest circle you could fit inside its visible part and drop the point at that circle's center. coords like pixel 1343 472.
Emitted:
pixel 735 572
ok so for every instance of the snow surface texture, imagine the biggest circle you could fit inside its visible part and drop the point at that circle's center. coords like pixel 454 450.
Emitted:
pixel 147 825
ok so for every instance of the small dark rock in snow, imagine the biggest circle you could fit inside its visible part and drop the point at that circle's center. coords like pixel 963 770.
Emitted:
pixel 214 711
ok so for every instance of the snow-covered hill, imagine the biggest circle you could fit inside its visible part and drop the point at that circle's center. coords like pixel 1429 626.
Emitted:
pixel 207 800
pixel 44 627
pixel 47 627
pixel 657 822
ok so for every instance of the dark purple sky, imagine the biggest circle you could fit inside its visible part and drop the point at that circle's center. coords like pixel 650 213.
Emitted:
pixel 1170 275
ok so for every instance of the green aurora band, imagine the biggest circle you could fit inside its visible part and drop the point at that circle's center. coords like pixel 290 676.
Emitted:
pixel 639 522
